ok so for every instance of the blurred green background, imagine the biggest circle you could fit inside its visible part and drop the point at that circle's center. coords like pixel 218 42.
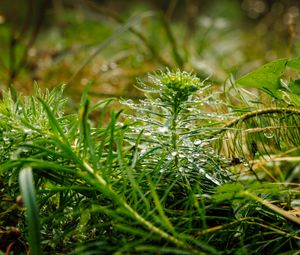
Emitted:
pixel 109 43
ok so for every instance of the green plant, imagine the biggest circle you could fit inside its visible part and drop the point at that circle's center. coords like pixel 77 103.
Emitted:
pixel 269 126
pixel 173 123
pixel 152 183
pixel 63 151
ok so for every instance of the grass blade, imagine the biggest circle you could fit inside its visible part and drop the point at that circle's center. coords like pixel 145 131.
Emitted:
pixel 32 212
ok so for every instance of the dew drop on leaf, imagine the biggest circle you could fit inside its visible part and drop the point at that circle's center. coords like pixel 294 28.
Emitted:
pixel 181 156
pixel 269 134
pixel 162 129
pixel 174 153
pixel 213 179
pixel 197 142
pixel 5 139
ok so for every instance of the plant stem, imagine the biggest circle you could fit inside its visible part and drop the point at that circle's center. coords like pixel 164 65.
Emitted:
pixel 174 131
pixel 249 115
pixel 274 208
pixel 173 43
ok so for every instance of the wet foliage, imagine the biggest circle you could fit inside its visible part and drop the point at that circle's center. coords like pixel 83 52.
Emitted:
pixel 170 134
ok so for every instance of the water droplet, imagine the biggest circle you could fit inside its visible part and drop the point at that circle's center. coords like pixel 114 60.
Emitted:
pixel 104 68
pixel 27 130
pixel 204 144
pixel 162 129
pixel 197 142
pixel 210 151
pixel 170 157
pixel 5 139
pixel 269 134
pixel 128 102
pixel 246 165
pixel 174 153
pixel 202 160
pixel 181 156
pixel 201 170
pixel 213 179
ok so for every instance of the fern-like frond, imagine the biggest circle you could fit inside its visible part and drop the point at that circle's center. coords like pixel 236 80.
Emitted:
pixel 261 132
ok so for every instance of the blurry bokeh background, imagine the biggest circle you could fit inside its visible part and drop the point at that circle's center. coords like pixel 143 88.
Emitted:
pixel 109 43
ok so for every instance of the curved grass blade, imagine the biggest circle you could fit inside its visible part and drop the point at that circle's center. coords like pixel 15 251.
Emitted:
pixel 53 121
pixel 164 219
pixel 32 212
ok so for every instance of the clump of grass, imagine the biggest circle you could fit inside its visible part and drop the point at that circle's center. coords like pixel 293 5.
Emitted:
pixel 150 184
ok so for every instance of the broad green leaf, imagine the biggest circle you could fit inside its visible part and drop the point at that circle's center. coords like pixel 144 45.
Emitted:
pixel 266 76
pixel 294 86
pixel 294 63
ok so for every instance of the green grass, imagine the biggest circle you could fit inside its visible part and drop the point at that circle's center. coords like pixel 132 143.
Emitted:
pixel 159 178
pixel 187 165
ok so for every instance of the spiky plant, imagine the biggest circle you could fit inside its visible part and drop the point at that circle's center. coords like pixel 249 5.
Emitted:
pixel 174 124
